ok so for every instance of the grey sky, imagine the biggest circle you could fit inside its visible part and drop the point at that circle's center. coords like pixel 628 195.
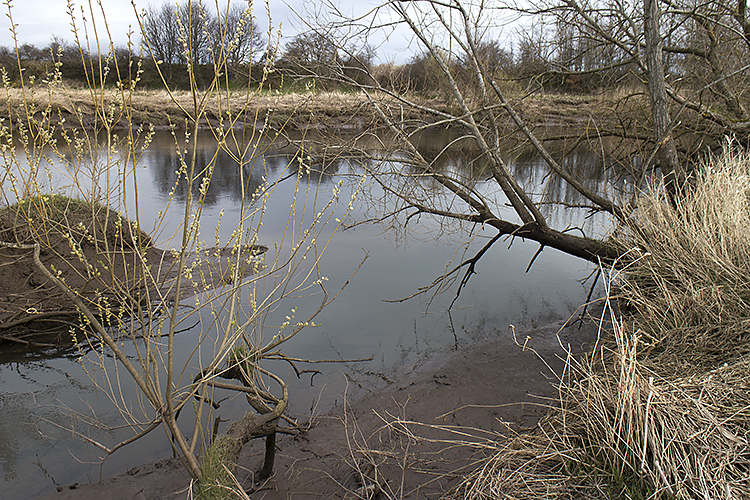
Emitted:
pixel 38 20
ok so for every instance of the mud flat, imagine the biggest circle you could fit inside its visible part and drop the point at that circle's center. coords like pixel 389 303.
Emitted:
pixel 415 436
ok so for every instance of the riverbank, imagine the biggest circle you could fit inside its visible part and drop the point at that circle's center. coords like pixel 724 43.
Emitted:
pixel 96 251
pixel 336 111
pixel 418 436
pixel 658 410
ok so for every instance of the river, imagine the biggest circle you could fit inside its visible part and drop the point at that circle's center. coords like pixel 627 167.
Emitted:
pixel 45 395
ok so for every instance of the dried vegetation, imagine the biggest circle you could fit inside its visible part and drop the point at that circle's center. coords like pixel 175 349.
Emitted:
pixel 162 109
pixel 661 408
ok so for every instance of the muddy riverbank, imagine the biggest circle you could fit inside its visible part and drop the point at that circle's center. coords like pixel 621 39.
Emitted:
pixel 95 253
pixel 416 436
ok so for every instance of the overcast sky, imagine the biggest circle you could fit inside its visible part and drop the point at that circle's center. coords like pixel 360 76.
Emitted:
pixel 38 20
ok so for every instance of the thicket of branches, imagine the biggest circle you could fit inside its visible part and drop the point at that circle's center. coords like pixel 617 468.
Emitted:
pixel 80 240
pixel 649 414
pixel 680 71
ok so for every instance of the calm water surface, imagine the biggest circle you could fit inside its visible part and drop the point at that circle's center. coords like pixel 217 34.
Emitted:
pixel 42 397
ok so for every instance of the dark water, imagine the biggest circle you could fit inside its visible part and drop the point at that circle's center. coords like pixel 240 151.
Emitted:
pixel 43 398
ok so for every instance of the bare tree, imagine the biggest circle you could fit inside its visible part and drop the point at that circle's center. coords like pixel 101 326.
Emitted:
pixel 448 34
pixel 236 35
pixel 179 34
pixel 194 22
pixel 616 38
pixel 162 33
pixel 670 166
pixel 704 44
pixel 311 54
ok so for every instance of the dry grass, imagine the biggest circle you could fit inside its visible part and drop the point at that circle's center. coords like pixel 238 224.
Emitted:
pixel 622 431
pixel 631 93
pixel 662 409
pixel 161 108
pixel 300 110
pixel 691 290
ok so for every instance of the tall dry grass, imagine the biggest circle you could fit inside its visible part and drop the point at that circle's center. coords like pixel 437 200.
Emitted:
pixel 690 291
pixel 661 408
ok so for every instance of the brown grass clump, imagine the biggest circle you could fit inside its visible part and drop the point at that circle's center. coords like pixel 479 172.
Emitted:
pixel 662 408
pixel 623 431
pixel 644 435
pixel 690 290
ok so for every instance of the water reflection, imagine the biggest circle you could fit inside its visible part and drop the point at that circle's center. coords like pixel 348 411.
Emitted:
pixel 227 175
pixel 229 171
pixel 25 411
pixel 321 165
pixel 564 207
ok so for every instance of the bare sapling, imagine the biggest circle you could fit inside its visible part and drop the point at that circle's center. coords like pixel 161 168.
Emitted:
pixel 73 211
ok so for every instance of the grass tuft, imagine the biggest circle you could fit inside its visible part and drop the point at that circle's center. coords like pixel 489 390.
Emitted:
pixel 217 480
pixel 54 217
pixel 691 288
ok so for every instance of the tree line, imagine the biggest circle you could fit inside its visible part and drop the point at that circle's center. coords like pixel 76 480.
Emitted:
pixel 175 36
pixel 575 47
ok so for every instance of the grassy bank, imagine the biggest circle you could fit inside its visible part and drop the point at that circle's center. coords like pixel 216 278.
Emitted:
pixel 162 109
pixel 660 409
pixel 293 110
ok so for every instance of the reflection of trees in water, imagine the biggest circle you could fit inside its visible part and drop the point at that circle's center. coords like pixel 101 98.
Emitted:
pixel 534 175
pixel 319 168
pixel 226 175
pixel 465 165
pixel 407 189
pixel 463 161
pixel 226 181
pixel 324 164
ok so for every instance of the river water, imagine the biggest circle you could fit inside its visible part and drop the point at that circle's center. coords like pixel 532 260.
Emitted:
pixel 43 396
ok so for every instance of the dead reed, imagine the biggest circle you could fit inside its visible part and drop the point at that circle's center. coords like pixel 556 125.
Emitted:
pixel 691 291
pixel 661 409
